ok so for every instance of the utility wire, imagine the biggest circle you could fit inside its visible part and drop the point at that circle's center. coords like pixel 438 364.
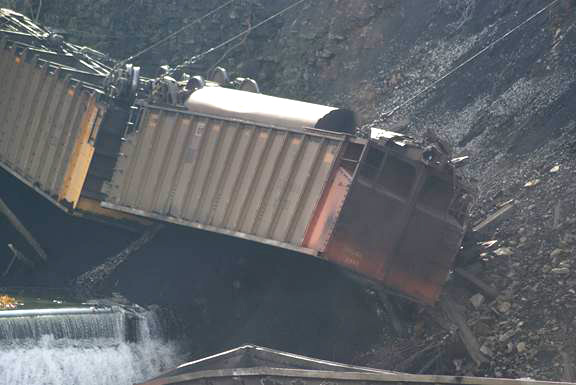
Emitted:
pixel 458 67
pixel 161 41
pixel 195 58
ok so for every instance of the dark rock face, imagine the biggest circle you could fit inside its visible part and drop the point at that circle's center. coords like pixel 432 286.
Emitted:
pixel 368 55
pixel 511 109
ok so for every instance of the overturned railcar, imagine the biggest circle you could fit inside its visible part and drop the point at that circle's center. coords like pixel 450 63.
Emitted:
pixel 52 107
pixel 266 169
pixel 48 124
pixel 256 167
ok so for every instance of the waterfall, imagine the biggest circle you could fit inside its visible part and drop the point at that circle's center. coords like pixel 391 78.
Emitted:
pixel 97 346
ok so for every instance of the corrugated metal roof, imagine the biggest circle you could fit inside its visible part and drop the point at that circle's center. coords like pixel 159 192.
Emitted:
pixel 254 365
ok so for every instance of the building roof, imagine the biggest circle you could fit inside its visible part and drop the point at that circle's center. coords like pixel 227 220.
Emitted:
pixel 255 365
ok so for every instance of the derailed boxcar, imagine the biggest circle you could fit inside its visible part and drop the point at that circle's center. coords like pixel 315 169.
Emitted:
pixel 259 168
pixel 49 121
pixel 196 153
pixel 52 108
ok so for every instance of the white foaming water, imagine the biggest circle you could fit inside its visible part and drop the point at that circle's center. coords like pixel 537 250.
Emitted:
pixel 65 350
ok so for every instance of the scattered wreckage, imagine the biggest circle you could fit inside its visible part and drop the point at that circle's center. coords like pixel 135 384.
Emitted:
pixel 98 140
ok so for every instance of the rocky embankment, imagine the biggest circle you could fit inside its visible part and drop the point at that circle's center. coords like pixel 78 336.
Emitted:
pixel 511 110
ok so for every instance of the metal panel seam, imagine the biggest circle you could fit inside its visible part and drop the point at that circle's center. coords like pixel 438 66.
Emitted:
pixel 30 159
pixel 24 75
pixel 321 196
pixel 6 102
pixel 150 157
pixel 306 191
pixel 240 177
pixel 35 120
pixel 55 142
pixel 53 126
pixel 75 128
pixel 294 169
pixel 134 155
pixel 165 159
pixel 198 157
pixel 24 123
pixel 271 135
pixel 224 175
pixel 278 162
pixel 180 168
pixel 211 165
pixel 67 133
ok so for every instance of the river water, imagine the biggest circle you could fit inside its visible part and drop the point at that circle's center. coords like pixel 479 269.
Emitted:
pixel 83 349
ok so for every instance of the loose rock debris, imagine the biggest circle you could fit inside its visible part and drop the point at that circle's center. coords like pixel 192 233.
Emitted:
pixel 514 284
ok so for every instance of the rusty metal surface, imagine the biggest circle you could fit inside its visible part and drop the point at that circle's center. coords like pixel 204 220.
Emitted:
pixel 400 224
pixel 41 120
pixel 327 213
pixel 254 181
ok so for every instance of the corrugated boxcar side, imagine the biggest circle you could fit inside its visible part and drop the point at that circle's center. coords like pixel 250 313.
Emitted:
pixel 47 123
pixel 234 177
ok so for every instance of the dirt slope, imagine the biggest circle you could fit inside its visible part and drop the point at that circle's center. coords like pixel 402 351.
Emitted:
pixel 512 110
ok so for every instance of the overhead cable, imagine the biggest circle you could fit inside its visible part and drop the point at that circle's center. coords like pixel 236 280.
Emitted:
pixel 195 58
pixel 467 61
pixel 170 36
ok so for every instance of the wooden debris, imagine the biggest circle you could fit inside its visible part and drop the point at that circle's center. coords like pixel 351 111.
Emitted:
pixel 460 161
pixel 488 244
pixel 21 257
pixel 472 251
pixel 13 219
pixel 9 267
pixel 532 183
pixel 495 217
pixel 468 338
pixel 505 203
